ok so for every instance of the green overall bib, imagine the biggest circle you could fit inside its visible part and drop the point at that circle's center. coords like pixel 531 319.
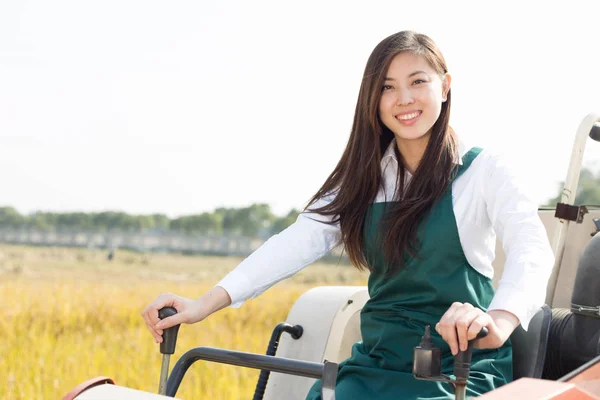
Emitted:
pixel 394 318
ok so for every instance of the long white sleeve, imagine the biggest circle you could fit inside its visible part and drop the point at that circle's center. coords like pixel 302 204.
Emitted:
pixel 284 254
pixel 529 258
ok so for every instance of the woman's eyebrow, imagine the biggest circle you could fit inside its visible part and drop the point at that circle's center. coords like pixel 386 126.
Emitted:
pixel 411 75
pixel 417 73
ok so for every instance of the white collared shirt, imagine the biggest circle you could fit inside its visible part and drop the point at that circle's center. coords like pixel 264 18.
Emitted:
pixel 488 200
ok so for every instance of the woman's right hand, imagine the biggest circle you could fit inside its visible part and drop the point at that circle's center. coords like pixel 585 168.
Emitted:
pixel 188 312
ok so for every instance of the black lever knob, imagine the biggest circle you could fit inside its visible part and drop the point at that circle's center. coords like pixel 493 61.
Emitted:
pixel 167 346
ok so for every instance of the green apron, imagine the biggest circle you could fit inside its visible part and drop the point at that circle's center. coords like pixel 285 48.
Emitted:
pixel 394 318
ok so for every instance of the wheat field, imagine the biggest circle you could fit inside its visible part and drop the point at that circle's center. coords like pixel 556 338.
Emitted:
pixel 71 314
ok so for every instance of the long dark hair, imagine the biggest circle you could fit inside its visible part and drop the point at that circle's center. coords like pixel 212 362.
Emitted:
pixel 356 179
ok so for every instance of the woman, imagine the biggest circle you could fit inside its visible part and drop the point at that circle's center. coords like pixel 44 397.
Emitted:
pixel 421 212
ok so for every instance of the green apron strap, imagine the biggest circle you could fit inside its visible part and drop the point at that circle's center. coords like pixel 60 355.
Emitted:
pixel 467 159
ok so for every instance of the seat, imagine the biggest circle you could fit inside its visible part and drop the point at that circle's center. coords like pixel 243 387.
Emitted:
pixel 529 347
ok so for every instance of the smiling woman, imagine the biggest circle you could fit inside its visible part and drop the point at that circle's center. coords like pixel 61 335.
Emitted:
pixel 420 211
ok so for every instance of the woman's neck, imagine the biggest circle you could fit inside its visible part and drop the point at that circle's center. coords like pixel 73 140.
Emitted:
pixel 411 151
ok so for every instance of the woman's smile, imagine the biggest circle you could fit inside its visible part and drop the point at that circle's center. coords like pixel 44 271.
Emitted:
pixel 408 118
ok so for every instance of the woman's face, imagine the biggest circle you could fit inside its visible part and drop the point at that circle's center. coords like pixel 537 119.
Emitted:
pixel 412 97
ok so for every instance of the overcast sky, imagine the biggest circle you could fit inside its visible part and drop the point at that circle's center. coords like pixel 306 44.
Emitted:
pixel 181 107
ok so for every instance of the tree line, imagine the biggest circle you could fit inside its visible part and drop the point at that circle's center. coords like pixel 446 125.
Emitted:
pixel 256 220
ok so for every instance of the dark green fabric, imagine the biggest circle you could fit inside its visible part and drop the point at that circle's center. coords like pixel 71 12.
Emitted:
pixel 394 318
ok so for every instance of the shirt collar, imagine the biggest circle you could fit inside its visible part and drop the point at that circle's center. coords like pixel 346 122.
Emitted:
pixel 390 153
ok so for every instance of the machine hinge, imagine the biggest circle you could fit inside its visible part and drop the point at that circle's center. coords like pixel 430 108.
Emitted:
pixel 571 213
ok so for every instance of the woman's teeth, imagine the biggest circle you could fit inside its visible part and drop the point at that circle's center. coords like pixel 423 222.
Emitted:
pixel 406 117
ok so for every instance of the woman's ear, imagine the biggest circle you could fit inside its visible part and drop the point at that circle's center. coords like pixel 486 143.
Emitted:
pixel 446 80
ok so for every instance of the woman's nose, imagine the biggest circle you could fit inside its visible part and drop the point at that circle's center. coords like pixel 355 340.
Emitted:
pixel 404 97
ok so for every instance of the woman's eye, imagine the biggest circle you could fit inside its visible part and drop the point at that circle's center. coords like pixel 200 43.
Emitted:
pixel 386 87
pixel 418 81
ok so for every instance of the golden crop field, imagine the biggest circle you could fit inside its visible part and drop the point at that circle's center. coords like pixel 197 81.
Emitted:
pixel 69 315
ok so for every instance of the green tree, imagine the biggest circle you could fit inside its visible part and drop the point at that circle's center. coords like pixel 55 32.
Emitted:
pixel 198 224
pixel 283 222
pixel 10 217
pixel 227 217
pixel 44 221
pixel 252 221
pixel 588 189
pixel 109 220
pixel 248 221
pixel 161 221
pixel 77 220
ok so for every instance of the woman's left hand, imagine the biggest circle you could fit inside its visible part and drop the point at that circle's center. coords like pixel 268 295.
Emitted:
pixel 462 322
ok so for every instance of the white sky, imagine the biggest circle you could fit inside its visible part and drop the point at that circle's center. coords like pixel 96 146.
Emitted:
pixel 181 107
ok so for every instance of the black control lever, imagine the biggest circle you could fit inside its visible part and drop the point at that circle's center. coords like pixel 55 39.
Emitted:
pixel 167 347
pixel 462 360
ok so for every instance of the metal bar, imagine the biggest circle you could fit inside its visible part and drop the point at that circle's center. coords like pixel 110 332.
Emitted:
pixel 164 374
pixel 568 197
pixel 276 364
pixel 461 391
pixel 330 371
